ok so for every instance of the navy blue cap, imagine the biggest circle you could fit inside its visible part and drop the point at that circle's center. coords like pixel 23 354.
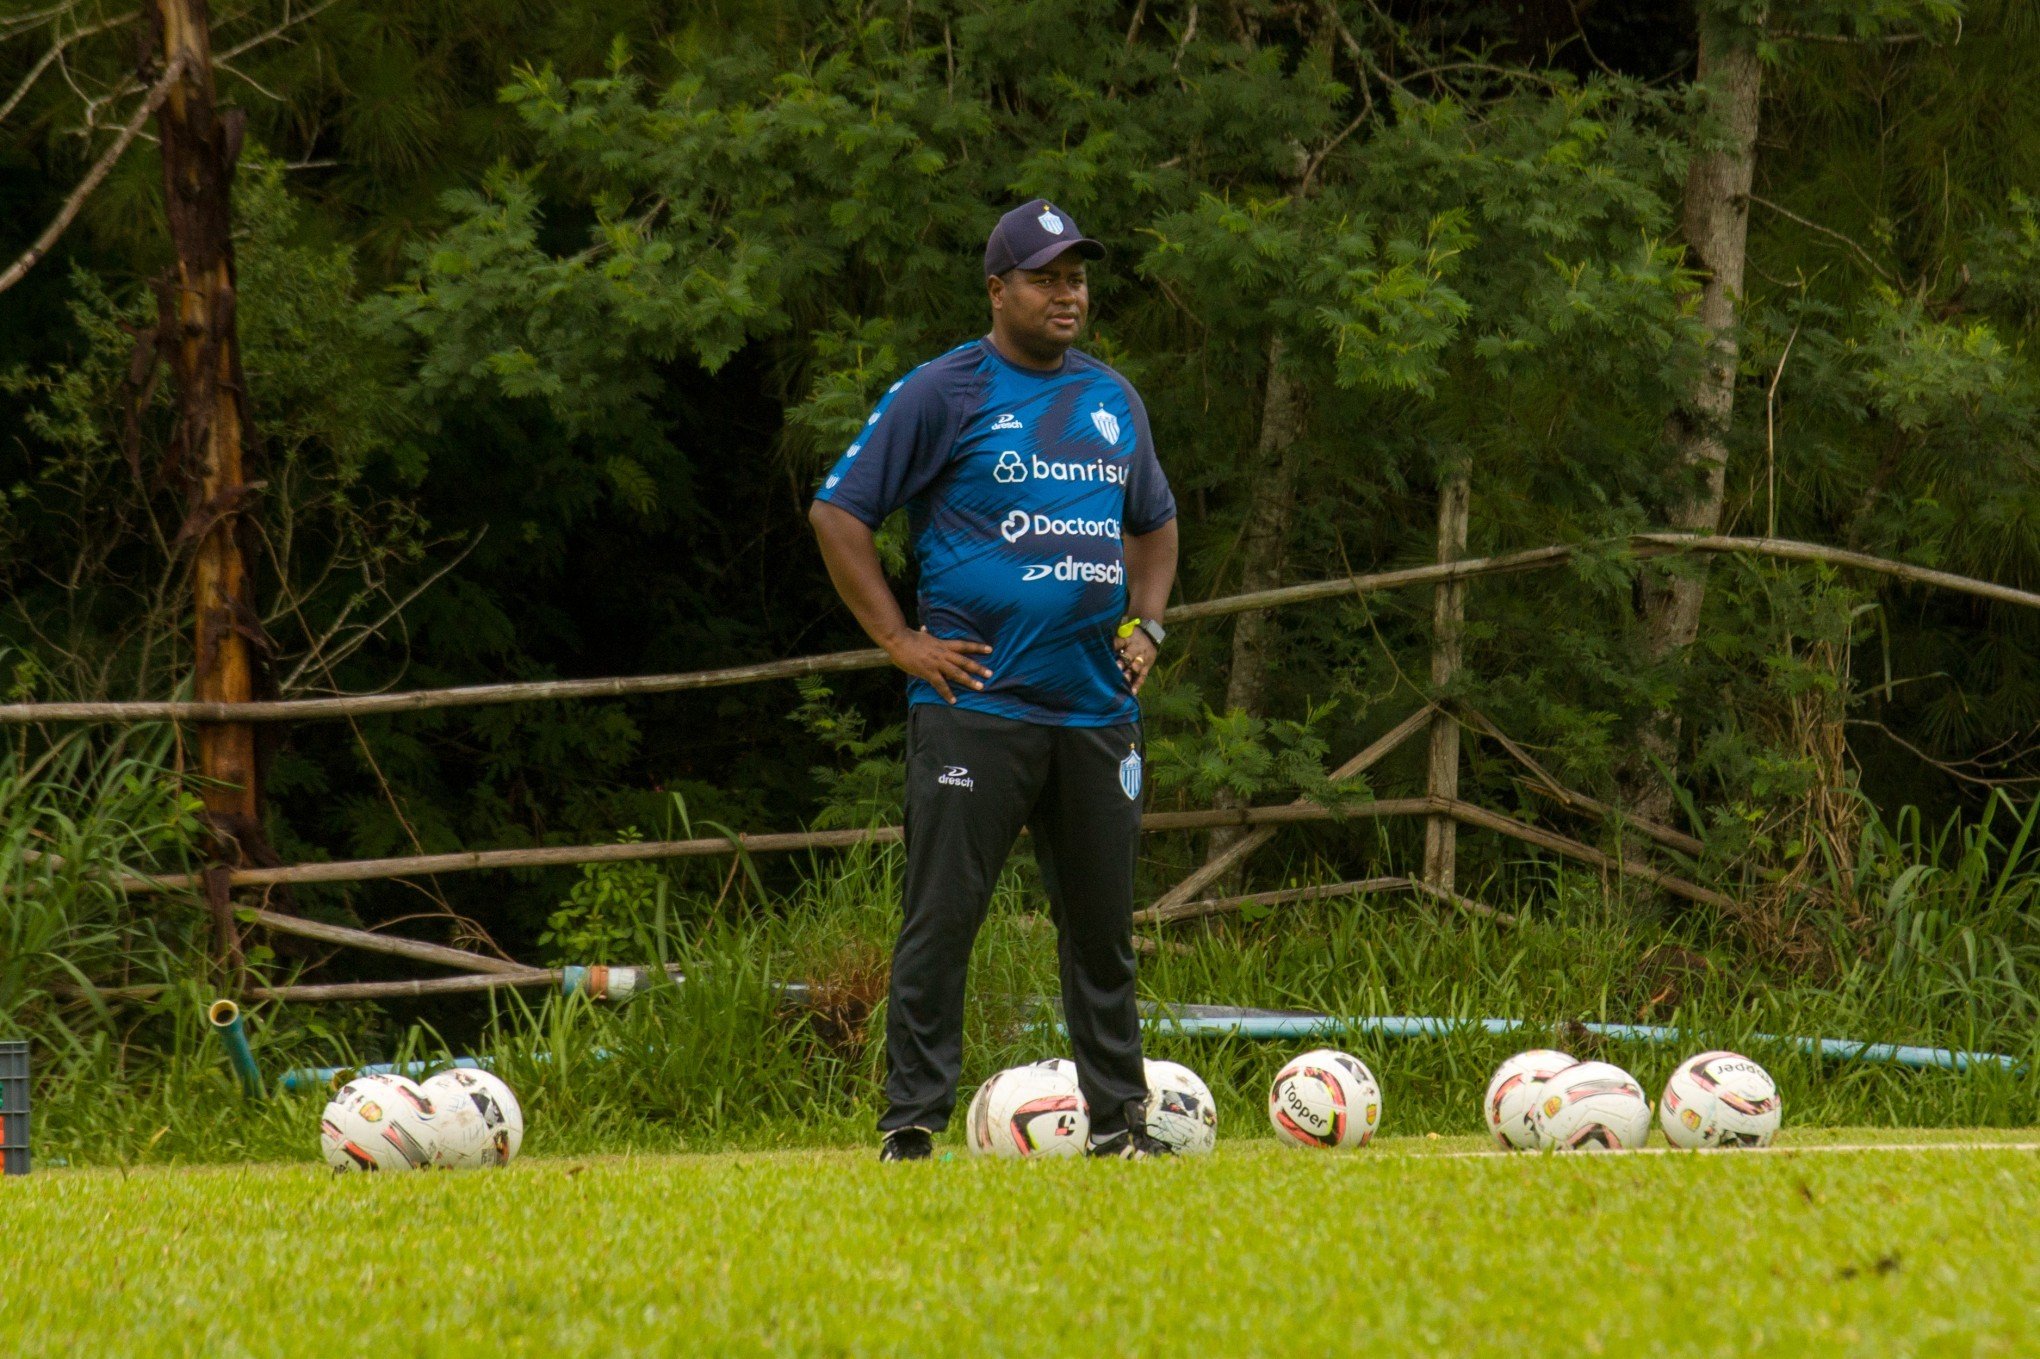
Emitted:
pixel 1033 234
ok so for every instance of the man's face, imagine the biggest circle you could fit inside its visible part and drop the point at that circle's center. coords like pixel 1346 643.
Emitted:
pixel 1044 308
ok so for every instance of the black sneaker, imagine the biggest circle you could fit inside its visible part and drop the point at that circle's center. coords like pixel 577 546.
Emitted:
pixel 1132 1143
pixel 907 1144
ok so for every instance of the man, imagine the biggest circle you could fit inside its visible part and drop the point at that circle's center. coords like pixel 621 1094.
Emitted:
pixel 1046 538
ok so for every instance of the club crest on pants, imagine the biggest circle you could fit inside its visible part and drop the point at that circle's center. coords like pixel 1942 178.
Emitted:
pixel 1129 774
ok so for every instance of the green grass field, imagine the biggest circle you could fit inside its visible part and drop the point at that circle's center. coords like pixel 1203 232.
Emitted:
pixel 1402 1249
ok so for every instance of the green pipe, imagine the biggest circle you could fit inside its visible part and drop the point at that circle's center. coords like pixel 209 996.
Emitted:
pixel 225 1017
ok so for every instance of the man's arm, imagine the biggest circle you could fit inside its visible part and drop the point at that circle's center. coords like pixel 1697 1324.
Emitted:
pixel 854 568
pixel 1150 575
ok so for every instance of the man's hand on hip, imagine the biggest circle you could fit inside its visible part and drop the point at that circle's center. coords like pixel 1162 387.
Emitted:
pixel 1137 653
pixel 941 661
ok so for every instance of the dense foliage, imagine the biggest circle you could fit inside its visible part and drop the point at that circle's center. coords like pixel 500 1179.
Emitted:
pixel 553 313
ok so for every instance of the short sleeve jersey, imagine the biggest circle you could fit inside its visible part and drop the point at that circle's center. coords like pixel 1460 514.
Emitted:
pixel 1018 486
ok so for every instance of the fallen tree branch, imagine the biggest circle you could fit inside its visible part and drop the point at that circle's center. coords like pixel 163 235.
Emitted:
pixel 375 990
pixel 1197 910
pixel 1542 782
pixel 1213 868
pixel 1468 814
pixel 1464 904
pixel 417 950
pixel 1158 914
pixel 404 990
pixel 1664 835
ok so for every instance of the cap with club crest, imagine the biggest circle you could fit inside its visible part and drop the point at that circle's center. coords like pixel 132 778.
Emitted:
pixel 1033 234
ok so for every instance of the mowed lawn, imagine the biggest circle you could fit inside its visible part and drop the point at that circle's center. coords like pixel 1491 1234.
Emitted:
pixel 1402 1249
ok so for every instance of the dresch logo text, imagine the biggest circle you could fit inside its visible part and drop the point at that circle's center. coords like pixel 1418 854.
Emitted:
pixel 1070 569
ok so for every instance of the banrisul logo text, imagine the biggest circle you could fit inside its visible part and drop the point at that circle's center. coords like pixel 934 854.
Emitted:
pixel 1070 569
pixel 1010 469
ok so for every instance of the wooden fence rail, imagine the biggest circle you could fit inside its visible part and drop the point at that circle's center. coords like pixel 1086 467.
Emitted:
pixel 1465 813
pixel 477 695
pixel 638 851
pixel 1440 804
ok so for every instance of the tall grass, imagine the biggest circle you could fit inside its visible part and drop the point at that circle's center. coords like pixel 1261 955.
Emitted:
pixel 72 814
pixel 1941 949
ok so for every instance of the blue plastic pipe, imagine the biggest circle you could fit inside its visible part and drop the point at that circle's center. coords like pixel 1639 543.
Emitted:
pixel 225 1018
pixel 1228 1021
pixel 322 1077
pixel 1305 1026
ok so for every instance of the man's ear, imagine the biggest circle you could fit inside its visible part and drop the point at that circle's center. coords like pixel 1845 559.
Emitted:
pixel 995 289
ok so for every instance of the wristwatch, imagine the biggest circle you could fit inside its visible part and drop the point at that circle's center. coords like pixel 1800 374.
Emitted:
pixel 1152 627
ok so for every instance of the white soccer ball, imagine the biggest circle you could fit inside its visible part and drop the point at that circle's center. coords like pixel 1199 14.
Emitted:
pixel 1592 1106
pixel 1180 1110
pixel 1325 1098
pixel 1028 1111
pixel 1059 1064
pixel 1512 1096
pixel 480 1121
pixel 379 1123
pixel 1720 1099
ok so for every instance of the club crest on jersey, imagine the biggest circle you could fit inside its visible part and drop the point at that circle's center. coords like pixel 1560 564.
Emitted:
pixel 1107 423
pixel 1129 774
pixel 1050 223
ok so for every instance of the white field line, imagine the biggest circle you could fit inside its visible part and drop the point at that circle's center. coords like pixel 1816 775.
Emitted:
pixel 1815 1149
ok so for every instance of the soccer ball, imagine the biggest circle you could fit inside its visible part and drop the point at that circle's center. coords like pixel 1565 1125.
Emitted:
pixel 1592 1106
pixel 379 1123
pixel 1325 1099
pixel 1180 1110
pixel 1720 1099
pixel 1028 1111
pixel 480 1122
pixel 1512 1096
pixel 1062 1065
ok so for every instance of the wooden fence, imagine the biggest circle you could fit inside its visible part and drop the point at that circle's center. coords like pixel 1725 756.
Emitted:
pixel 1443 810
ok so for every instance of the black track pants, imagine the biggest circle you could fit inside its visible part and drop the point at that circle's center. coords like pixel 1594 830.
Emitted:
pixel 973 780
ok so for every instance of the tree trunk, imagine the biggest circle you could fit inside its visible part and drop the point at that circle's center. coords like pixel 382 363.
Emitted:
pixel 1448 614
pixel 1263 539
pixel 197 332
pixel 1716 224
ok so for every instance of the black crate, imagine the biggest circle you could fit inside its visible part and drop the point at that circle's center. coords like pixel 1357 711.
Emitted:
pixel 14 1107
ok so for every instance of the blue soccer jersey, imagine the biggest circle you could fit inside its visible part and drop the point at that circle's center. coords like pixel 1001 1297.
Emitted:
pixel 1018 485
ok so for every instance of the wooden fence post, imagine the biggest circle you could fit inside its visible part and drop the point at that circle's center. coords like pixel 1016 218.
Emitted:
pixel 1448 612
